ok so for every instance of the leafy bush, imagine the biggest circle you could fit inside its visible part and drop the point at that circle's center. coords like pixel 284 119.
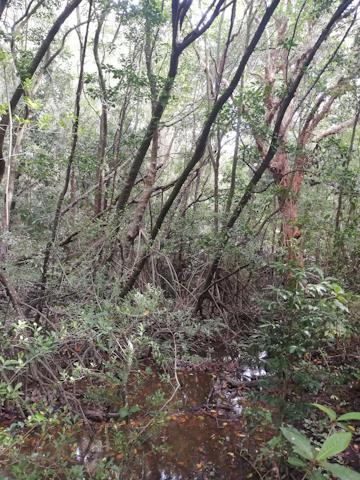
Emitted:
pixel 299 322
pixel 314 461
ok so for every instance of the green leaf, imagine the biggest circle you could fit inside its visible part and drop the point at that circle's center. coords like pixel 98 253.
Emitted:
pixel 301 443
pixel 336 443
pixel 349 416
pixel 134 409
pixel 316 475
pixel 341 306
pixel 38 417
pixel 34 105
pixel 296 462
pixel 124 412
pixel 329 411
pixel 343 473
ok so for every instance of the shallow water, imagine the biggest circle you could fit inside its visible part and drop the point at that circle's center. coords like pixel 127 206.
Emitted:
pixel 199 436
pixel 202 434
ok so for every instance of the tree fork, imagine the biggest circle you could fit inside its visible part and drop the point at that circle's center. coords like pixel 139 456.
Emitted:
pixel 202 142
pixel 163 99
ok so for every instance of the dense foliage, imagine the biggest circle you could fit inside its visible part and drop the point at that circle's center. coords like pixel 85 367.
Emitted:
pixel 179 185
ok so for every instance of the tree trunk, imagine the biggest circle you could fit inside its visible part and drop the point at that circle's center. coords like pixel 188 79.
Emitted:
pixel 2 7
pixel 99 194
pixel 151 128
pixel 149 181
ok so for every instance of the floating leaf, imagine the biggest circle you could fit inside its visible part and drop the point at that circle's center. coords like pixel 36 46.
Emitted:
pixel 329 411
pixel 301 443
pixel 343 473
pixel 349 416
pixel 336 443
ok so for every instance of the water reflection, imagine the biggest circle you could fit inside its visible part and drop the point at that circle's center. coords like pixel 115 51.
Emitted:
pixel 200 439
pixel 169 476
pixel 249 373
